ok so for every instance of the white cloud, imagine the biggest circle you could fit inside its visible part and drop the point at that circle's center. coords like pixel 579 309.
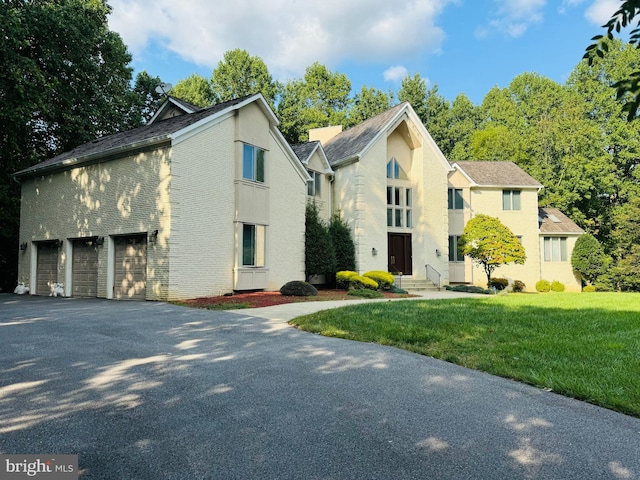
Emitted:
pixel 395 74
pixel 288 36
pixel 513 17
pixel 600 11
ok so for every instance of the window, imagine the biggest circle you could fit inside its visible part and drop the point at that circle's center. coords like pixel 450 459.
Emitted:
pixel 253 243
pixel 455 200
pixel 511 199
pixel 395 171
pixel 454 252
pixel 253 163
pixel 555 249
pixel 399 203
pixel 314 187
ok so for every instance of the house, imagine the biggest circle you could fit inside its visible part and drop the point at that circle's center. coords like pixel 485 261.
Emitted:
pixel 319 189
pixel 505 191
pixel 189 205
pixel 390 185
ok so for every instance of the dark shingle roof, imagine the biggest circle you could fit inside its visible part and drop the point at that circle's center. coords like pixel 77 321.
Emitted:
pixel 129 139
pixel 353 141
pixel 304 150
pixel 552 220
pixel 487 173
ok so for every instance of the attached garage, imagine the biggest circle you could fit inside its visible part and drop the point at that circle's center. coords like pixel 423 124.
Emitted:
pixel 46 267
pixel 84 268
pixel 130 272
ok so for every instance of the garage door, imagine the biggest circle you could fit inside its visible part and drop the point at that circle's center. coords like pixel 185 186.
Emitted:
pixel 131 267
pixel 46 267
pixel 84 269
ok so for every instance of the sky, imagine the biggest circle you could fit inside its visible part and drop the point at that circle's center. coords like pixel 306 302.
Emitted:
pixel 462 46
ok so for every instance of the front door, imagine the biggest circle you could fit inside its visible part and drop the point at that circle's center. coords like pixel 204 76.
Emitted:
pixel 399 248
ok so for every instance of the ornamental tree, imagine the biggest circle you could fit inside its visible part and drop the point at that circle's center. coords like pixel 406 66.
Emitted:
pixel 490 244
pixel 588 258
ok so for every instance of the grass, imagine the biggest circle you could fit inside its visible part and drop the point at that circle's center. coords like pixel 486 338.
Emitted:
pixel 585 346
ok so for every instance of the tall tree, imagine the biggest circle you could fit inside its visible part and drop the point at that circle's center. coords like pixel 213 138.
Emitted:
pixel 239 74
pixel 464 119
pixel 414 90
pixel 321 98
pixel 436 119
pixel 65 80
pixel 145 99
pixel 194 89
pixel 369 103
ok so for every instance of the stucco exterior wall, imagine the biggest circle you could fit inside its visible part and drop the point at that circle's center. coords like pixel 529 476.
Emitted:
pixel 123 196
pixel 561 271
pixel 324 200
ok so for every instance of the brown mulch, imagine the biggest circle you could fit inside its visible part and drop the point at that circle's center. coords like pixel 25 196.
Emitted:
pixel 268 299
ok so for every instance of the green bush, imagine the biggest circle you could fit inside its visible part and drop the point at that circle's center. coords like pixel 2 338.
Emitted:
pixel 343 278
pixel 298 289
pixel 519 286
pixel 395 289
pixel 557 286
pixel 359 282
pixel 499 283
pixel 468 289
pixel 383 279
pixel 543 286
pixel 342 243
pixel 589 289
pixel 363 293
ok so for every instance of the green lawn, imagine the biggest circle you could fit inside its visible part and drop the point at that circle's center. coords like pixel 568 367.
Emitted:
pixel 585 346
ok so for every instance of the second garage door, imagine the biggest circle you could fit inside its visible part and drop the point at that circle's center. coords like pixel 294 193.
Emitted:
pixel 46 267
pixel 130 267
pixel 84 268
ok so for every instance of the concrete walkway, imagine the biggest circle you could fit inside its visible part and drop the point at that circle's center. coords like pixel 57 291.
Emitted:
pixel 143 390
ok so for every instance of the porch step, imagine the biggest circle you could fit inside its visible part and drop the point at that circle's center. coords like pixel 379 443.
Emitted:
pixel 414 284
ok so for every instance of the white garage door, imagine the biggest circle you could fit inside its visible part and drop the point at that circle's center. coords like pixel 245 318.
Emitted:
pixel 46 267
pixel 131 267
pixel 84 277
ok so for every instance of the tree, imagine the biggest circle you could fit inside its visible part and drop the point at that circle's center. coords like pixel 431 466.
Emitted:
pixel 65 79
pixel 319 99
pixel 345 249
pixel 239 74
pixel 588 258
pixel 628 88
pixel 145 100
pixel 194 89
pixel 319 256
pixel 414 90
pixel 369 103
pixel 490 244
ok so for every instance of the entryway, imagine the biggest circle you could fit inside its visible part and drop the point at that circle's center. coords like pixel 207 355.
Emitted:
pixel 400 256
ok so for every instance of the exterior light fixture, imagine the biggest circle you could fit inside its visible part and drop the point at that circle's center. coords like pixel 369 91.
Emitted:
pixel 58 243
pixel 153 236
pixel 437 252
pixel 374 252
pixel 23 246
pixel 99 241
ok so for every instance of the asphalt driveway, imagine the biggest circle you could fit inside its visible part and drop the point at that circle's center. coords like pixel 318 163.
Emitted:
pixel 143 390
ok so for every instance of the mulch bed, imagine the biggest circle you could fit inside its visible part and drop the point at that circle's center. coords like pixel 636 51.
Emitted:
pixel 268 299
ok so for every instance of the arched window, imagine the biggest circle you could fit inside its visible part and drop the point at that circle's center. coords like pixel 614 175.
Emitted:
pixel 395 171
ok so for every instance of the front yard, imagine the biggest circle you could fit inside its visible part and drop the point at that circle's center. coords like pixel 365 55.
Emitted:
pixel 585 346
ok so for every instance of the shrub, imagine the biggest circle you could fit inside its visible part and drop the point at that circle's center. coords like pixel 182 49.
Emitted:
pixel 298 289
pixel 395 289
pixel 519 286
pixel 499 283
pixel 383 279
pixel 320 257
pixel 589 289
pixel 360 281
pixel 543 286
pixel 468 289
pixel 557 286
pixel 363 293
pixel 342 243
pixel 343 278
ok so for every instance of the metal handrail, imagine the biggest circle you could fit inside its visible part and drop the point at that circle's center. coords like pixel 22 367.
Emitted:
pixel 433 275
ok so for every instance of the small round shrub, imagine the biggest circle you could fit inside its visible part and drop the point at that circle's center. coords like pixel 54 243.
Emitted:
pixel 543 286
pixel 589 289
pixel 364 293
pixel 298 289
pixel 499 283
pixel 359 282
pixel 383 279
pixel 519 286
pixel 557 286
pixel 396 289
pixel 343 278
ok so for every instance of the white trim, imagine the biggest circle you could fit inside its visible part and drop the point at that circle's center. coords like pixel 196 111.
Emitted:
pixel 111 265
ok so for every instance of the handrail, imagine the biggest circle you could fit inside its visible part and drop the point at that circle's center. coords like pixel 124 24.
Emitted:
pixel 397 274
pixel 433 275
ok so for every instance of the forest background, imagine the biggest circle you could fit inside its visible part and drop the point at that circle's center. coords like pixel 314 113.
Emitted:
pixel 67 80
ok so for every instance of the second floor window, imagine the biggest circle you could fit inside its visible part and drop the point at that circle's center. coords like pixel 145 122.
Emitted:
pixel 511 199
pixel 314 187
pixel 399 204
pixel 455 199
pixel 253 163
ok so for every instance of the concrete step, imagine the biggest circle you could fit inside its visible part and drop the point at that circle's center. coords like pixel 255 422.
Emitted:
pixel 414 284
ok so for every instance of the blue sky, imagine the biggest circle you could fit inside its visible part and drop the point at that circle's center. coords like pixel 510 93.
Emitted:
pixel 463 46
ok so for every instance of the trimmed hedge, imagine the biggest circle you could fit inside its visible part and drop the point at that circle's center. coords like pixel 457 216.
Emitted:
pixel 343 278
pixel 468 289
pixel 360 281
pixel 364 293
pixel 519 286
pixel 589 289
pixel 298 289
pixel 543 286
pixel 499 283
pixel 557 286
pixel 383 279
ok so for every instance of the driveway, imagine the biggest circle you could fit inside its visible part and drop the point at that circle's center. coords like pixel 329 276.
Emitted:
pixel 143 390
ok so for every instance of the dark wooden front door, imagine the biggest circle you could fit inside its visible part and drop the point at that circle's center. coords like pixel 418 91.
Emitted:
pixel 399 253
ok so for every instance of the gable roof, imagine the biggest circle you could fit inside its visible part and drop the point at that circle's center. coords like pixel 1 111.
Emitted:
pixel 304 152
pixel 162 131
pixel 552 220
pixel 496 174
pixel 176 104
